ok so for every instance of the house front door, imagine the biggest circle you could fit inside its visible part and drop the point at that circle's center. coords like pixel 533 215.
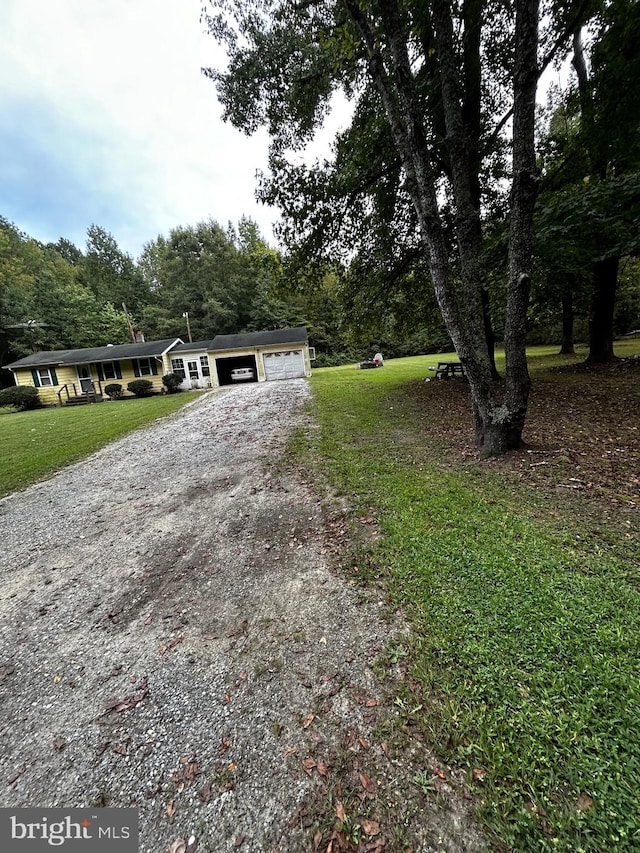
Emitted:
pixel 193 374
pixel 84 378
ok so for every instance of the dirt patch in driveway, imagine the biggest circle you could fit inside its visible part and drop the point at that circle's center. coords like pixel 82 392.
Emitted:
pixel 175 638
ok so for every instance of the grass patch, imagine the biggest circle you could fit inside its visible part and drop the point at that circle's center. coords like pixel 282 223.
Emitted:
pixel 37 443
pixel 526 619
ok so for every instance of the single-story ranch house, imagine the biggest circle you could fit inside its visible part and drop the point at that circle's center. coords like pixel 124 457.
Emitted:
pixel 63 376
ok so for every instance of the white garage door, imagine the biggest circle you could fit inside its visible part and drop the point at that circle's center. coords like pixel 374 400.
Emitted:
pixel 287 364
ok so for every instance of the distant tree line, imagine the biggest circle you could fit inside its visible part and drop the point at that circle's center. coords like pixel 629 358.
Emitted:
pixel 58 296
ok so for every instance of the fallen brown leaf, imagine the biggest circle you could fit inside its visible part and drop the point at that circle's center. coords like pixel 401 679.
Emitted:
pixel 100 750
pixel 340 812
pixel 188 771
pixel 338 843
pixel 191 770
pixel 171 809
pixel 584 802
pixel 204 794
pixel 322 769
pixel 171 644
pixel 130 701
pixel 308 720
pixel 367 783
pixel 370 827
pixel 308 764
pixel 376 846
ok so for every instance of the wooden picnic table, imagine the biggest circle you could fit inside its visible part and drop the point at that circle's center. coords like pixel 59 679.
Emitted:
pixel 449 370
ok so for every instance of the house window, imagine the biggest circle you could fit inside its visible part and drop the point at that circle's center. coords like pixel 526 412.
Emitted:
pixel 204 365
pixel 177 367
pixel 109 370
pixel 144 367
pixel 45 377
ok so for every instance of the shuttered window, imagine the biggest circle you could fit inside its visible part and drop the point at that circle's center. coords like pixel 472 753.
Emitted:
pixel 44 377
pixel 108 370
pixel 144 367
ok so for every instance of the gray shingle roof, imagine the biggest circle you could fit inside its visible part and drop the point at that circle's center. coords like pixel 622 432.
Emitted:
pixel 90 355
pixel 297 335
pixel 196 346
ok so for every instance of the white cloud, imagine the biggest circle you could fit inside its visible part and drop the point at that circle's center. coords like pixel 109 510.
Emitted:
pixel 112 96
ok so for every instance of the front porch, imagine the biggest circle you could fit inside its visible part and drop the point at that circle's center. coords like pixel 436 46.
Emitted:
pixel 71 395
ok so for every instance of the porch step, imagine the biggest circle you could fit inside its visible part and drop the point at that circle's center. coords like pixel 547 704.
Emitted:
pixel 83 399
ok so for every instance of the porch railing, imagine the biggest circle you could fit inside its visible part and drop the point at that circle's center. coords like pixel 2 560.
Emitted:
pixel 89 393
pixel 65 389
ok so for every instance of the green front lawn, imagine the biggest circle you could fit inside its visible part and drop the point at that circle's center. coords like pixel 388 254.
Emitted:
pixel 522 590
pixel 37 443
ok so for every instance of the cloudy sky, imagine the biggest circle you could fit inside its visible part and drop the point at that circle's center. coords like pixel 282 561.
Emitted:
pixel 107 119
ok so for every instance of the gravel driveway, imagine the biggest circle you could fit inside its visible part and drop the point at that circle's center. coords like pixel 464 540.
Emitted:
pixel 174 638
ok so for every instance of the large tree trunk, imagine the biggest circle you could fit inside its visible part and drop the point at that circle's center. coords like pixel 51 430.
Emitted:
pixel 603 302
pixel 499 412
pixel 604 273
pixel 567 344
pixel 472 11
pixel 489 333
pixel 504 427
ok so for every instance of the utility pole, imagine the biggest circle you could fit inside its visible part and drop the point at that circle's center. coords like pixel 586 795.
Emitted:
pixel 185 314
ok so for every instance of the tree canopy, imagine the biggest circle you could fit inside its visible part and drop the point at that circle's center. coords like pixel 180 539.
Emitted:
pixel 440 143
pixel 429 81
pixel 45 302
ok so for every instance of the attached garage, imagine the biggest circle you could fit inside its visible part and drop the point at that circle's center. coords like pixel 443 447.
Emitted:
pixel 224 366
pixel 277 354
pixel 284 364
